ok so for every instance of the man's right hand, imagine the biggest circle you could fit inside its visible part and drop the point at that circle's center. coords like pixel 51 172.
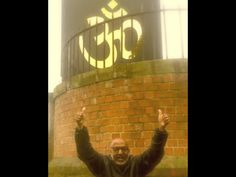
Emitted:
pixel 163 119
pixel 80 118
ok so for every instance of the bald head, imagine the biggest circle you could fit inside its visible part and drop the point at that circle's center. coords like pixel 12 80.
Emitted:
pixel 118 142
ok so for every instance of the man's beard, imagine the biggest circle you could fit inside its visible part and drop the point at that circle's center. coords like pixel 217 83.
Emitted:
pixel 120 159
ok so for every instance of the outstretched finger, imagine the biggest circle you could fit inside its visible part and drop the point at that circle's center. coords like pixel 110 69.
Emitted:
pixel 83 109
pixel 159 111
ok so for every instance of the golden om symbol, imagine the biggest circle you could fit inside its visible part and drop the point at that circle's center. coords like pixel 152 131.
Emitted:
pixel 110 36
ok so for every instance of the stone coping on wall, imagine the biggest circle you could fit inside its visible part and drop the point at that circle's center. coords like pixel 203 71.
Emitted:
pixel 127 70
pixel 169 166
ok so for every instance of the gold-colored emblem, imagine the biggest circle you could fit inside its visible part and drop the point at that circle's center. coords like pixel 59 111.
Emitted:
pixel 110 36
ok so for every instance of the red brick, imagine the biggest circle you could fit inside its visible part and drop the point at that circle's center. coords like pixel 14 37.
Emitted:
pixel 106 136
pixel 179 117
pixel 168 78
pixel 137 95
pixel 90 122
pixel 105 144
pixel 164 86
pixel 172 125
pixel 127 96
pixel 168 102
pixel 135 112
pixel 131 135
pixel 181 110
pixel 98 137
pixel 132 119
pixel 147 119
pixel 115 135
pixel 101 99
pixel 169 151
pixel 147 79
pixel 150 110
pixel 182 143
pixel 124 104
pixel 116 112
pixel 144 103
pixel 167 94
pixel 121 89
pixel 157 78
pixel 108 99
pixel 182 94
pixel 133 127
pixel 106 121
pixel 94 130
pixel 147 142
pixel 129 127
pixel 181 85
pixel 136 88
pixel 103 107
pixel 179 151
pixel 108 84
pixel 119 97
pixel 180 77
pixel 147 134
pixel 137 80
pixel 170 110
pixel 113 105
pixel 149 126
pixel 137 150
pixel 182 126
pixel 139 143
pixel 150 86
pixel 118 128
pixel 172 143
pixel 149 95
pixel 109 128
pixel 106 91
pixel 176 134
pixel 118 82
pixel 109 113
pixel 185 151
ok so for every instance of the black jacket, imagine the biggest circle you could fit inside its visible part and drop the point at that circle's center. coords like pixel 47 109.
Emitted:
pixel 103 165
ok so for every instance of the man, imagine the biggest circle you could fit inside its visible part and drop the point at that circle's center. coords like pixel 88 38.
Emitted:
pixel 120 163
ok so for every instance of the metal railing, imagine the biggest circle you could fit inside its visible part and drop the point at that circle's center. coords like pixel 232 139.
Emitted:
pixel 125 39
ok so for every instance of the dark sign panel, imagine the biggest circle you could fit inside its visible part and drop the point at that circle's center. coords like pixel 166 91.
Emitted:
pixel 99 34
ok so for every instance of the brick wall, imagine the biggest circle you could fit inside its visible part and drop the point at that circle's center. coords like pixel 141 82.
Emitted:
pixel 124 105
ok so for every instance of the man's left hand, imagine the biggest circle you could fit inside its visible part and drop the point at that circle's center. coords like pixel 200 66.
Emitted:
pixel 163 119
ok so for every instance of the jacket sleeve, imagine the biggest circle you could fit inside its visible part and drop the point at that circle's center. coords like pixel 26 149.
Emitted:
pixel 153 155
pixel 86 152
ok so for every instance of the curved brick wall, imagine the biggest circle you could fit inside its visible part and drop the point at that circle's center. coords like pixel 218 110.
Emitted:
pixel 123 102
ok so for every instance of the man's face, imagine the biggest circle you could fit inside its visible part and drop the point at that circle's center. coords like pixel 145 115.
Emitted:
pixel 120 151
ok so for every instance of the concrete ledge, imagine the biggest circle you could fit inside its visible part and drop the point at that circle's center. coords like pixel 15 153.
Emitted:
pixel 68 167
pixel 59 89
pixel 128 70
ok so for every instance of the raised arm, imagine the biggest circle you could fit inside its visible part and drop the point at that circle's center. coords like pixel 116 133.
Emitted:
pixel 85 151
pixel 153 155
